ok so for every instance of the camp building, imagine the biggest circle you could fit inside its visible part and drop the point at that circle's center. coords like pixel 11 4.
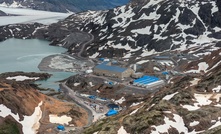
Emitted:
pixel 106 69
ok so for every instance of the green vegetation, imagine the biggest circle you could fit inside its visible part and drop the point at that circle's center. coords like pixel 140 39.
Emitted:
pixel 109 125
pixel 9 127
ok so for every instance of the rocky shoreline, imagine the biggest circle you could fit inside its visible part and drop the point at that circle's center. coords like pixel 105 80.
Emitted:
pixel 62 63
pixel 44 64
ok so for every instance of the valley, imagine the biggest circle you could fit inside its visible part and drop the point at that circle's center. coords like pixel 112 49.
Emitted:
pixel 148 67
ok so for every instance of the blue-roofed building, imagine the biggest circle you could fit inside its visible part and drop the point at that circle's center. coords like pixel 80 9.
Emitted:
pixel 92 97
pixel 101 59
pixel 111 112
pixel 61 127
pixel 147 80
pixel 106 69
pixel 165 73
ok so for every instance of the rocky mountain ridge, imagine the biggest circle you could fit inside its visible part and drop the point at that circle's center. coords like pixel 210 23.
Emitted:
pixel 154 25
pixel 65 5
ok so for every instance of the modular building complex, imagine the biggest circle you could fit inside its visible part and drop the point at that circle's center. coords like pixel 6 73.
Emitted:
pixel 148 81
pixel 106 69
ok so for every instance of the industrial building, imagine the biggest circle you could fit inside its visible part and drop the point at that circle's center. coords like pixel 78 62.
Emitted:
pixel 60 127
pixel 148 81
pixel 111 112
pixel 106 69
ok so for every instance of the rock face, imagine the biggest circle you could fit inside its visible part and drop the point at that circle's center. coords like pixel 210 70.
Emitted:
pixel 65 5
pixel 2 13
pixel 21 31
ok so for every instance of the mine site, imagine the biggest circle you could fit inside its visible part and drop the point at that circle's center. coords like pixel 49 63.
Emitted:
pixel 110 67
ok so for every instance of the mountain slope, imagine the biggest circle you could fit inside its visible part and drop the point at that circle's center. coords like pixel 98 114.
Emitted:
pixel 64 5
pixel 155 25
pixel 183 106
pixel 26 110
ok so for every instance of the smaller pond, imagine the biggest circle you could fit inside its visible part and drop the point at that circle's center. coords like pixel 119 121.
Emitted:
pixel 25 55
pixel 52 82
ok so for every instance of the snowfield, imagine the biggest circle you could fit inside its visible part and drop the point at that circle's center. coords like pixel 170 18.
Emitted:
pixel 201 100
pixel 177 123
pixel 30 16
pixel 30 123
pixel 203 66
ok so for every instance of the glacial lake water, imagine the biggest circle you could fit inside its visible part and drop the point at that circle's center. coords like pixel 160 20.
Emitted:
pixel 25 55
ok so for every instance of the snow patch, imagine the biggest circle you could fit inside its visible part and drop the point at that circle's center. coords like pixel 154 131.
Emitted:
pixel 218 105
pixel 178 123
pixel 135 104
pixel 127 56
pixel 120 101
pixel 194 123
pixel 145 30
pixel 218 123
pixel 217 64
pixel 215 8
pixel 126 47
pixel 202 66
pixel 30 123
pixel 22 78
pixel 166 62
pixel 15 4
pixel 77 84
pixel 194 81
pixel 142 61
pixel 60 120
pixel 201 100
pixel 94 55
pixel 217 89
pixel 133 112
pixel 147 53
pixel 122 131
pixel 156 69
pixel 91 84
pixel 168 97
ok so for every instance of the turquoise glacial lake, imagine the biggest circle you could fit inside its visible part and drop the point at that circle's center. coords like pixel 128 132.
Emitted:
pixel 25 55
